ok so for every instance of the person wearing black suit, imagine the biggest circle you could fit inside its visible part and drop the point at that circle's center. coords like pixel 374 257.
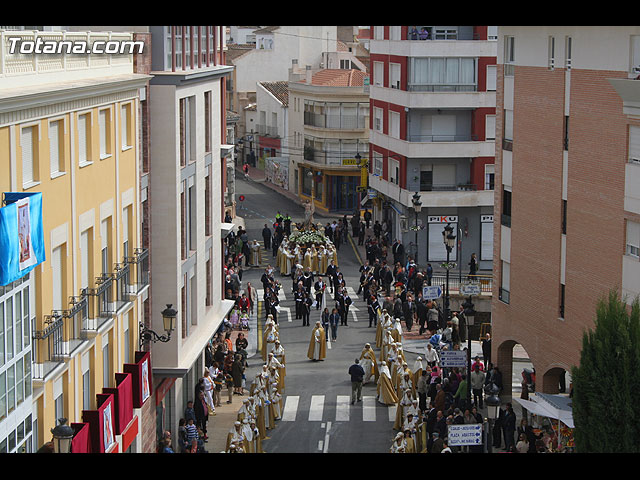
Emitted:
pixel 408 310
pixel 331 273
pixel 271 307
pixel 299 298
pixel 306 309
pixel 397 249
pixel 266 236
pixel 319 288
pixel 421 310
pixel 341 307
pixel 486 349
pixel 372 308
pixel 307 281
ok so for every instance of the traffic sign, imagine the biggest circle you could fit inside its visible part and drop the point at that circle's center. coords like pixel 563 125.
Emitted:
pixel 241 198
pixel 470 289
pixel 431 292
pixel 465 434
pixel 453 358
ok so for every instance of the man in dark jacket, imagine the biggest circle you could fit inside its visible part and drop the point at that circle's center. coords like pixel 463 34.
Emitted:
pixel 397 249
pixel 266 236
pixel 421 310
pixel 331 273
pixel 509 428
pixel 408 310
pixel 357 374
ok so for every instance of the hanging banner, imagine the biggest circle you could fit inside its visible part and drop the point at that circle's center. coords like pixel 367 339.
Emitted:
pixel 21 235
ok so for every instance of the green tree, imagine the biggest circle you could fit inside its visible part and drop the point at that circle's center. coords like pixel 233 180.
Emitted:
pixel 606 383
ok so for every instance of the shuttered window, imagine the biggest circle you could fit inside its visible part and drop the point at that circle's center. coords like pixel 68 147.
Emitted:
pixel 633 238
pixel 83 138
pixel 56 268
pixel 491 78
pixel 84 266
pixel 55 153
pixel 634 144
pixel 490 127
pixel 26 142
pixel 104 121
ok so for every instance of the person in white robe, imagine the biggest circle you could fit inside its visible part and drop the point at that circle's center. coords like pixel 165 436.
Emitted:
pixel 385 391
pixel 368 363
pixel 399 445
pixel 404 403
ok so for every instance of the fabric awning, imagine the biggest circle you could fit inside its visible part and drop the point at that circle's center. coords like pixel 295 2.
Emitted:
pixel 226 228
pixel 545 409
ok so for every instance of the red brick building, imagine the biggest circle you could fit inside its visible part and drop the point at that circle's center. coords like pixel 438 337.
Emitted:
pixel 567 189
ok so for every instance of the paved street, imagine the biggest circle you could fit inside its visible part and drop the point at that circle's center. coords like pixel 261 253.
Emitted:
pixel 318 416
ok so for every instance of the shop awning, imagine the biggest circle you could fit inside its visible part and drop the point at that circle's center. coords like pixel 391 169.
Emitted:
pixel 225 229
pixel 546 409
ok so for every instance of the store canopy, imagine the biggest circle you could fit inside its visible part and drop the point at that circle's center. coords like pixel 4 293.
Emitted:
pixel 550 406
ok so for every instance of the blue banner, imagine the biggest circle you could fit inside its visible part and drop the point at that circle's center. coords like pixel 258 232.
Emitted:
pixel 21 235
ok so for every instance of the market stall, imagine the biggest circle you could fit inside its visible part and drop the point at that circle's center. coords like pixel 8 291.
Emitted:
pixel 552 416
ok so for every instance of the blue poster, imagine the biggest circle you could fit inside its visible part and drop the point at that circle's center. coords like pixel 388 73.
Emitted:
pixel 21 235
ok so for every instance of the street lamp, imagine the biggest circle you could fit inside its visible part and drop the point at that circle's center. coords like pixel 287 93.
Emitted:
pixel 469 315
pixel 62 436
pixel 417 206
pixel 169 316
pixel 493 408
pixel 449 240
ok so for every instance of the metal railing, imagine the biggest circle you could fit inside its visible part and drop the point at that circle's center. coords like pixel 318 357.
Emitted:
pixel 460 187
pixel 139 270
pixel 485 281
pixel 442 138
pixel 49 345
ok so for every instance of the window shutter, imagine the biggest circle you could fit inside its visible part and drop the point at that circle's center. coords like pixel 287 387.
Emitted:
pixel 84 267
pixel 491 78
pixel 82 139
pixel 54 146
pixel 633 234
pixel 102 120
pixel 124 124
pixel 26 143
pixel 634 144
pixel 490 127
pixel 486 247
pixel 56 267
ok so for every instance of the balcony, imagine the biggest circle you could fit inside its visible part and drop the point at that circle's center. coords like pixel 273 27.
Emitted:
pixel 435 146
pixel 337 122
pixel 139 270
pixel 48 346
pixel 266 130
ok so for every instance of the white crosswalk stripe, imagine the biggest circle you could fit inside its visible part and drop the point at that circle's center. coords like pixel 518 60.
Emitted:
pixel 316 409
pixel 367 410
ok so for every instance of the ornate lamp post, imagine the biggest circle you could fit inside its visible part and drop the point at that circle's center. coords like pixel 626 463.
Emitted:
pixel 449 240
pixel 469 315
pixel 417 206
pixel 169 316
pixel 62 436
pixel 493 409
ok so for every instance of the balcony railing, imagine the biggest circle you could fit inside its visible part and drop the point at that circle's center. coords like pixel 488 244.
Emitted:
pixel 338 122
pixel 139 270
pixel 442 138
pixel 460 187
pixel 101 305
pixel 444 87
pixel 49 345
pixel 122 294
pixel 485 281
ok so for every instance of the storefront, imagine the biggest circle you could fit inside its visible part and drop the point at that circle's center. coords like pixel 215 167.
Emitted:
pixel 333 188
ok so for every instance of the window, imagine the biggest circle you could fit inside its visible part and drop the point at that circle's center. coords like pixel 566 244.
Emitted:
pixel 104 123
pixel 105 246
pixel 345 64
pixel 378 32
pixel 2 327
pixel 509 49
pixel 490 127
pixel 377 164
pixel 3 395
pixel 567 46
pixel 504 293
pixel 491 78
pixel 561 300
pixel 86 249
pixel 508 125
pixel 125 126
pixel 394 171
pixel 29 155
pixel 486 237
pixel 489 176
pixel 634 144
pixel 126 228
pixel 207 121
pixel 446 33
pixel 395 32
pixel 377 119
pixel 57 278
pixel 9 328
pixel 394 75
pixel 492 32
pixel 633 238
pixel 378 74
pixel 394 124
pixel 564 217
pixel 506 208
pixel 634 68
pixel 11 388
pixel 442 74
pixel 106 365
pixel 56 152
pixel 552 52
pixel 565 135
pixel 84 139
pixel 426 180
pixel 187 131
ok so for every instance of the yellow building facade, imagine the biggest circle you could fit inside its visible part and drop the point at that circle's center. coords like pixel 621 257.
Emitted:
pixel 72 134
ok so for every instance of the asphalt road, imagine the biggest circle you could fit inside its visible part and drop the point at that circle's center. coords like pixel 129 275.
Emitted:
pixel 318 415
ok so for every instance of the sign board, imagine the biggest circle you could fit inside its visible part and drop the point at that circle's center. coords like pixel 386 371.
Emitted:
pixel 442 219
pixel 467 434
pixel 350 162
pixel 470 289
pixel 431 292
pixel 453 358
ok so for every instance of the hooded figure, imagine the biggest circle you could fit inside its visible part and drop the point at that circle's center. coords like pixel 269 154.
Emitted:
pixel 317 343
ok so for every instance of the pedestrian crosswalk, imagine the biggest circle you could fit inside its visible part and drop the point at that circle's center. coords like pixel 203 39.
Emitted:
pixel 318 408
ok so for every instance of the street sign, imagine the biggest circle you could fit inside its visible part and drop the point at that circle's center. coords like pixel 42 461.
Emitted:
pixel 470 289
pixel 453 358
pixel 431 292
pixel 465 434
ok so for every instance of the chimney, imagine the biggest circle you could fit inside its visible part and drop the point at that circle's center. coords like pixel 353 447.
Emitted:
pixel 309 74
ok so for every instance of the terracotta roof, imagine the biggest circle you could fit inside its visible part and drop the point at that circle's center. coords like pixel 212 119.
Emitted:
pixel 234 50
pixel 279 89
pixel 338 78
pixel 341 46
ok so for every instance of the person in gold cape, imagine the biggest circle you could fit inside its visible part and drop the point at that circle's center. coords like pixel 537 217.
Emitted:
pixel 399 444
pixel 317 343
pixel 404 403
pixel 269 336
pixel 235 434
pixel 369 364
pixel 385 391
